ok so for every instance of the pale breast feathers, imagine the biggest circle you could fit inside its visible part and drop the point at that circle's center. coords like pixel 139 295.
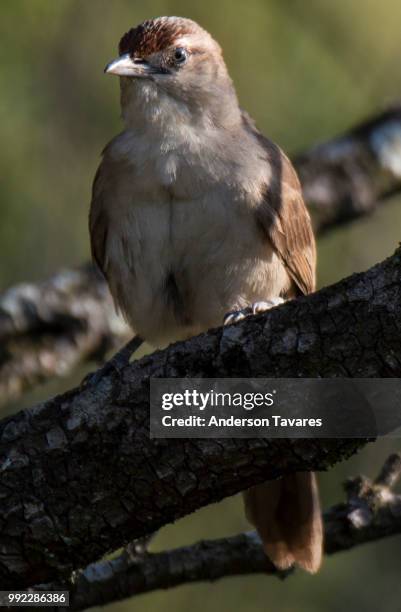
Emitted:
pixel 259 244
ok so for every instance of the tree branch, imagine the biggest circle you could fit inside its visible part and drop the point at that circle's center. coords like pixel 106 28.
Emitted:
pixel 372 511
pixel 48 329
pixel 349 176
pixel 58 515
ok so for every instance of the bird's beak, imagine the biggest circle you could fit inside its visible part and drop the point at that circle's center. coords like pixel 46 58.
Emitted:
pixel 127 66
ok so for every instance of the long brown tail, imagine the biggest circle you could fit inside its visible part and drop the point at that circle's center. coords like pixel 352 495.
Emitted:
pixel 286 513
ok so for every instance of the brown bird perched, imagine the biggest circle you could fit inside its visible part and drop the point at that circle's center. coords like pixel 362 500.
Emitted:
pixel 195 214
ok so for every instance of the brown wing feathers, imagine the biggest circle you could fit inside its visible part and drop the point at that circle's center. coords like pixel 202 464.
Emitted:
pixel 283 216
pixel 290 232
pixel 98 223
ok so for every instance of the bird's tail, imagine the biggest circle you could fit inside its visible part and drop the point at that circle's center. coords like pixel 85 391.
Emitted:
pixel 286 513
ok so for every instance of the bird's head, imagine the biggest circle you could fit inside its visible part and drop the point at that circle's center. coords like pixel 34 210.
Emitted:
pixel 172 69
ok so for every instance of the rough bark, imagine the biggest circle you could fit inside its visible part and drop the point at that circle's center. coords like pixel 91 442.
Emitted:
pixel 371 512
pixel 47 329
pixel 58 515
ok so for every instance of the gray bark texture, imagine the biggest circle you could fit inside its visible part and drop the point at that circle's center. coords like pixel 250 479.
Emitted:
pixel 79 475
pixel 48 329
pixel 371 511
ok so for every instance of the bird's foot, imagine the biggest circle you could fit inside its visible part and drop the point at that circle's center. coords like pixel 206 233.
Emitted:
pixel 116 363
pixel 255 308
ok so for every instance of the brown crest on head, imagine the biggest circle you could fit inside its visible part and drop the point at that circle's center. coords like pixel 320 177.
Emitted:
pixel 154 35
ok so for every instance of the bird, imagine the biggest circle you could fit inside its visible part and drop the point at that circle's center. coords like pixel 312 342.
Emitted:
pixel 197 218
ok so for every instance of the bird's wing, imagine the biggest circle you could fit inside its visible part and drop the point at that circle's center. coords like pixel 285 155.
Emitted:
pixel 98 219
pixel 111 243
pixel 107 194
pixel 283 216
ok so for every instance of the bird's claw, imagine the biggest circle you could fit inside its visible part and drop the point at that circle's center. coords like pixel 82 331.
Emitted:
pixel 255 308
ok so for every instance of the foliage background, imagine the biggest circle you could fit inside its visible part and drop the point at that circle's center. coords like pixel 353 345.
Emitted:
pixel 305 71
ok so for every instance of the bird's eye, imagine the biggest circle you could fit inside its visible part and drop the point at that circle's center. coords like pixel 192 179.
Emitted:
pixel 180 55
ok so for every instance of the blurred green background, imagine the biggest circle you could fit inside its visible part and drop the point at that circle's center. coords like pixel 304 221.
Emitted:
pixel 305 71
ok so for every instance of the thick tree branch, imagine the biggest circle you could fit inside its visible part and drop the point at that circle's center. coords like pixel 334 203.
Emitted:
pixel 49 328
pixel 58 515
pixel 372 511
